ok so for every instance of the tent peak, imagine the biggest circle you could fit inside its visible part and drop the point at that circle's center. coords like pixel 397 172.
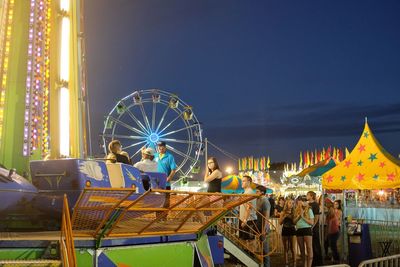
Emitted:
pixel 366 119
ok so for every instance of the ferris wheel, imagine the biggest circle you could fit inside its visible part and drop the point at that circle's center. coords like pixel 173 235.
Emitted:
pixel 146 117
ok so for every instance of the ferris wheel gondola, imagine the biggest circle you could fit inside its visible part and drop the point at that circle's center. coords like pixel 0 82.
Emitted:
pixel 146 117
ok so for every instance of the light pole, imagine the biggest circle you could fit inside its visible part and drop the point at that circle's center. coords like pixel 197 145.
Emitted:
pixel 205 153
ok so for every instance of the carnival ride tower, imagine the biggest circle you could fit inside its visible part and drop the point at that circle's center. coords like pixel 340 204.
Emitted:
pixel 42 75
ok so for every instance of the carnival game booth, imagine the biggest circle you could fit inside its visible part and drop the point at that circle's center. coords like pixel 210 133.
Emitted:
pixel 369 178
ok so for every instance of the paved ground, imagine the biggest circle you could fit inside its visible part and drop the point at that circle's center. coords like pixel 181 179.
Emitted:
pixel 276 261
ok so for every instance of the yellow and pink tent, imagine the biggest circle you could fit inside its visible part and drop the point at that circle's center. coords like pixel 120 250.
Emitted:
pixel 368 166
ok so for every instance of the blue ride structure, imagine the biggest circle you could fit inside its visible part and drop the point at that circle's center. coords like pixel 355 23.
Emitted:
pixel 15 190
pixel 42 200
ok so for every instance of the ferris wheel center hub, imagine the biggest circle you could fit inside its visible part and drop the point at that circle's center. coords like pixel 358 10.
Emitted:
pixel 154 137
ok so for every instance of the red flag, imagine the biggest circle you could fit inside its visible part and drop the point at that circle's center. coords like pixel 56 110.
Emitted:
pixel 311 158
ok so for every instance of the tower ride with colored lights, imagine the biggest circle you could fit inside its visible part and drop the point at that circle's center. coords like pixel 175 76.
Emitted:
pixel 42 103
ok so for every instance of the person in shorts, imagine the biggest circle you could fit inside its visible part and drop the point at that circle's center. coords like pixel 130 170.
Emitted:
pixel 304 219
pixel 288 231
pixel 247 213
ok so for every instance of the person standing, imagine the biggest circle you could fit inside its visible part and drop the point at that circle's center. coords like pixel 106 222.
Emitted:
pixel 317 251
pixel 288 231
pixel 213 176
pixel 263 209
pixel 337 205
pixel 165 163
pixel 333 233
pixel 279 207
pixel 304 219
pixel 247 213
pixel 271 200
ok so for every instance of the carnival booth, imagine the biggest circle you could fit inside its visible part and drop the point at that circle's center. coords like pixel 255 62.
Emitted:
pixel 369 178
pixel 309 179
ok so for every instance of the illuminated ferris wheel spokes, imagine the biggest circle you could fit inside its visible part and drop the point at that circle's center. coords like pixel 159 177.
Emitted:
pixel 135 122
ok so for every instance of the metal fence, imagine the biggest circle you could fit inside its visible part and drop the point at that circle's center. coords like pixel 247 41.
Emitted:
pixel 390 261
pixel 385 237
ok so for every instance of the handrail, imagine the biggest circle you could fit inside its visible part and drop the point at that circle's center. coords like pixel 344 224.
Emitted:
pixel 393 260
pixel 38 174
pixel 67 240
pixel 229 227
pixel 156 212
pixel 338 265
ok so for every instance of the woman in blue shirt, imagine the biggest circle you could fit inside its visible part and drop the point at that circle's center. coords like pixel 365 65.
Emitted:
pixel 304 219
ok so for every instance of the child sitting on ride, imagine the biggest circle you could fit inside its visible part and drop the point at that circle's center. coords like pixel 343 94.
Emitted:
pixel 116 154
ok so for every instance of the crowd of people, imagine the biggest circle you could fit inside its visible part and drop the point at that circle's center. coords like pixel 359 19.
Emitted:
pixel 300 218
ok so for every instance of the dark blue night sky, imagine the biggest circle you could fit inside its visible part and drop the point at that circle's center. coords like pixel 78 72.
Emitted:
pixel 264 77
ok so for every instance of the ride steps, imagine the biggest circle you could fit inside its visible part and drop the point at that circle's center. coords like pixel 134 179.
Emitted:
pixel 238 252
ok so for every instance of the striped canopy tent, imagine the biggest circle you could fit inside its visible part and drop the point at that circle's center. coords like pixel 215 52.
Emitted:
pixel 231 184
pixel 368 166
pixel 318 169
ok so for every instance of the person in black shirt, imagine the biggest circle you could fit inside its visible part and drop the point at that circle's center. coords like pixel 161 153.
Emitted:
pixel 272 204
pixel 288 231
pixel 279 207
pixel 213 176
pixel 317 251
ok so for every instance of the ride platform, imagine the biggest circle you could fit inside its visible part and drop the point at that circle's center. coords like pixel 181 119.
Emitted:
pixel 110 227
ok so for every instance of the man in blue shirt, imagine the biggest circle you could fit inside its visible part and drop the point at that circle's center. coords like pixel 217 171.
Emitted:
pixel 165 163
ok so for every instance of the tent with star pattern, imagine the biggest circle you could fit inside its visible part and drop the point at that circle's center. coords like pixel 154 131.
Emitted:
pixel 368 166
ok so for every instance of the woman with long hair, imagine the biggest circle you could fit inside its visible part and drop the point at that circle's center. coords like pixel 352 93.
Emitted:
pixel 304 219
pixel 213 175
pixel 288 231
pixel 337 205
pixel 116 154
pixel 279 207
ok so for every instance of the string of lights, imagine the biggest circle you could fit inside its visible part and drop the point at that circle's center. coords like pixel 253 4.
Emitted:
pixel 10 16
pixel 230 155
pixel 46 81
pixel 37 79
